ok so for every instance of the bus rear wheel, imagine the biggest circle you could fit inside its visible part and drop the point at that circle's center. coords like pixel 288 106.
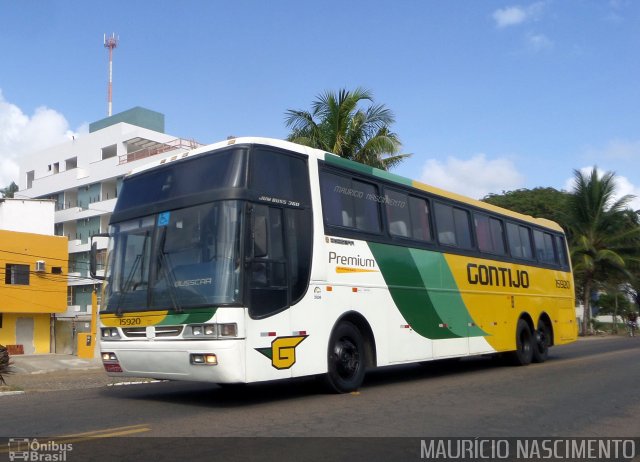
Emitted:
pixel 542 339
pixel 524 345
pixel 346 359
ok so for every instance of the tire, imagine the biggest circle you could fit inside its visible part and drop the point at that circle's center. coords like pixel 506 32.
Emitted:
pixel 541 341
pixel 524 345
pixel 346 359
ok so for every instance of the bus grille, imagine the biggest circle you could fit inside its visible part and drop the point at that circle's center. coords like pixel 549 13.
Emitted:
pixel 160 331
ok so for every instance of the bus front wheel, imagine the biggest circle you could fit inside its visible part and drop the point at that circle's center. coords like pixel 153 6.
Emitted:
pixel 346 360
pixel 524 345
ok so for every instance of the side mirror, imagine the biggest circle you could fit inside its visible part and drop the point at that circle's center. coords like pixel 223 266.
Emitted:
pixel 93 259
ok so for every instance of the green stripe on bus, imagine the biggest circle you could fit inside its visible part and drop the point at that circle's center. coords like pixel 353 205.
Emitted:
pixel 367 170
pixel 190 317
pixel 424 290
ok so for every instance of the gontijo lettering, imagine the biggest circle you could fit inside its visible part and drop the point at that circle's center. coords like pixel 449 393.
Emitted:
pixel 487 275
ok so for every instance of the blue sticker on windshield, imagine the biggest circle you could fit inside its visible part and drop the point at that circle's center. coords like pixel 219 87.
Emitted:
pixel 163 218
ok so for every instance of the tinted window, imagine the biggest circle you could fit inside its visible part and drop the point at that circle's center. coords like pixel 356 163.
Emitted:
pixel 268 289
pixel 490 234
pixel 350 203
pixel 181 178
pixel 562 251
pixel 544 247
pixel 519 241
pixel 398 214
pixel 420 219
pixel 280 175
pixel 453 226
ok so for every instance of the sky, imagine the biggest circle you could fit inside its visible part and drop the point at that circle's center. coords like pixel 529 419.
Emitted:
pixel 488 96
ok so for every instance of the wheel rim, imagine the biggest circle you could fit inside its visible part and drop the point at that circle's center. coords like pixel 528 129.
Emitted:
pixel 347 358
pixel 525 344
pixel 541 340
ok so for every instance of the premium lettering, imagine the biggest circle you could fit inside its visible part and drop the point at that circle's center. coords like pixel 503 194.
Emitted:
pixel 351 260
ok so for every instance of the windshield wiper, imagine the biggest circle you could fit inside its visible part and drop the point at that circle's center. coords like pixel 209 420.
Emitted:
pixel 128 285
pixel 168 276
pixel 163 261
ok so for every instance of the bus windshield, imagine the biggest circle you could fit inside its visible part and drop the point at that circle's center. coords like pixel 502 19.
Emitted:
pixel 176 259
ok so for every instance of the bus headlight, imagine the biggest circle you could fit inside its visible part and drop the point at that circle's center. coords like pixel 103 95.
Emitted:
pixel 211 331
pixel 109 333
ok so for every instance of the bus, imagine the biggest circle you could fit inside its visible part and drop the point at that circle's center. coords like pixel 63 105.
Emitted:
pixel 257 259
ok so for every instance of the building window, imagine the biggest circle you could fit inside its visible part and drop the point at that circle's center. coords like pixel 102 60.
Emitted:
pixel 71 163
pixel 16 274
pixel 109 151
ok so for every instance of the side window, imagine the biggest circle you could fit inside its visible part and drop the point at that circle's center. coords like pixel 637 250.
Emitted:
pixel 350 203
pixel 420 219
pixel 268 289
pixel 280 175
pixel 299 233
pixel 367 212
pixel 453 226
pixel 336 200
pixel 544 247
pixel 398 214
pixel 490 234
pixel 519 241
pixel 562 250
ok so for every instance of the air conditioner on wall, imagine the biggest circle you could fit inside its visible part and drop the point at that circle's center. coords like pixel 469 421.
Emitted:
pixel 40 266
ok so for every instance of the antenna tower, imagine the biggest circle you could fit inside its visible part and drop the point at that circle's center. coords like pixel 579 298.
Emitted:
pixel 110 43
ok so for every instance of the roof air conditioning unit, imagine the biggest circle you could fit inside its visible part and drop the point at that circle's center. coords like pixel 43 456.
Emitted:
pixel 40 266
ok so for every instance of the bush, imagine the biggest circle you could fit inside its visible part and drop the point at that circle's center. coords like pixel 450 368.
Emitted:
pixel 5 363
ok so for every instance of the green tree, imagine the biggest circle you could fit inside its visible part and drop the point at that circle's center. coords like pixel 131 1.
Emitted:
pixel 604 234
pixel 538 202
pixel 337 123
pixel 9 190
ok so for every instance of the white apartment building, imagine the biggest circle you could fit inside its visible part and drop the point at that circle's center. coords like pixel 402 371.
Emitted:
pixel 83 176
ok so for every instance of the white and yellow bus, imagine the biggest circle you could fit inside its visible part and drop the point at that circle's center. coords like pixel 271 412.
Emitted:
pixel 256 259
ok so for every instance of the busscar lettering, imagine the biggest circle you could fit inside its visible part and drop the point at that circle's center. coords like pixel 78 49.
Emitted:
pixel 193 282
pixel 351 260
pixel 487 275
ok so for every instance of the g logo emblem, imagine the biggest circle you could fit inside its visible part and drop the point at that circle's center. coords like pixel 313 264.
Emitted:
pixel 283 351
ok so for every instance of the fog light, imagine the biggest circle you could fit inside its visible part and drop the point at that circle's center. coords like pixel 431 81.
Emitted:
pixel 109 357
pixel 208 359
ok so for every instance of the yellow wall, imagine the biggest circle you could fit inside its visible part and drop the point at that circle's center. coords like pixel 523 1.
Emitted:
pixel 41 332
pixel 45 294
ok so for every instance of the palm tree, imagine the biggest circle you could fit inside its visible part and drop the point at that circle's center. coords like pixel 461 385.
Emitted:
pixel 337 124
pixel 603 231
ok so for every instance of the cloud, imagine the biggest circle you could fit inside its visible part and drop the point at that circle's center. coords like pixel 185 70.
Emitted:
pixel 21 135
pixel 617 150
pixel 475 177
pixel 538 42
pixel 623 187
pixel 515 15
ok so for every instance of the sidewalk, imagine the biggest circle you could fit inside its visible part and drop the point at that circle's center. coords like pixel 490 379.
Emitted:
pixel 56 372
pixel 45 363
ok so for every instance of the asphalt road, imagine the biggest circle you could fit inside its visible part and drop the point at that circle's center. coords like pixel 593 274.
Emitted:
pixel 588 389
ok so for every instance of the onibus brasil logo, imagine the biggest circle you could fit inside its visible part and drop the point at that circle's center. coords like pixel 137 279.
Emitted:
pixel 282 352
pixel 34 450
